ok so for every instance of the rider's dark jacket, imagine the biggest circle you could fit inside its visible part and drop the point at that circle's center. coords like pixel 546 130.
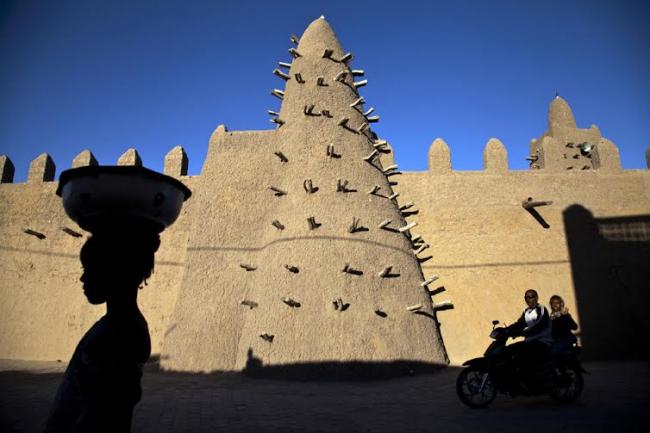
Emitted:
pixel 562 326
pixel 534 325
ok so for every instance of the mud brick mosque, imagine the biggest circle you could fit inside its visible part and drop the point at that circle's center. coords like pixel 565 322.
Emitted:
pixel 306 245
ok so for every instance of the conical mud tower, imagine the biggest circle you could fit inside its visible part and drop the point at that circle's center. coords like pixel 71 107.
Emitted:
pixel 300 254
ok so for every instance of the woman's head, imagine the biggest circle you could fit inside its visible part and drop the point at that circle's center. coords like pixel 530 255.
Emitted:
pixel 115 263
pixel 556 303
pixel 531 298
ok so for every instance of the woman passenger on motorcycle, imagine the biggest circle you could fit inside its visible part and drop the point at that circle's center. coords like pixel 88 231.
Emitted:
pixel 561 326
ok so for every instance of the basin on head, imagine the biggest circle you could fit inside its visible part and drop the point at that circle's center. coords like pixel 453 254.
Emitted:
pixel 103 197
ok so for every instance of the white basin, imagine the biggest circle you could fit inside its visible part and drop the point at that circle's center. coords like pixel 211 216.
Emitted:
pixel 97 196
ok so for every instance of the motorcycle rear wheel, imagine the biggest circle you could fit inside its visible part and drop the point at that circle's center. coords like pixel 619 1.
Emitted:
pixel 569 386
pixel 470 391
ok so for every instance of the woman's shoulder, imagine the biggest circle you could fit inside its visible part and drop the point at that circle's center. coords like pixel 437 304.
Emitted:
pixel 120 338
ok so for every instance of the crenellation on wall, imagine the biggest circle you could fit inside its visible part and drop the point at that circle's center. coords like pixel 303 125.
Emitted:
pixel 84 159
pixel 495 157
pixel 216 137
pixel 41 169
pixel 176 162
pixel 606 157
pixel 7 169
pixel 130 157
pixel 439 157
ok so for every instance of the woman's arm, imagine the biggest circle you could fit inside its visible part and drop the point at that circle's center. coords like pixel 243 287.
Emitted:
pixel 567 320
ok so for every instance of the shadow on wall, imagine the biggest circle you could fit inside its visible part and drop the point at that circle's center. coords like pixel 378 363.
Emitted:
pixel 610 263
pixel 317 371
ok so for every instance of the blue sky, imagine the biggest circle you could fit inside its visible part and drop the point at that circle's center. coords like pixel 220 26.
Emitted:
pixel 109 75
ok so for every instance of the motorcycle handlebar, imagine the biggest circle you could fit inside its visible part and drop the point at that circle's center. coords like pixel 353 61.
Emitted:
pixel 500 332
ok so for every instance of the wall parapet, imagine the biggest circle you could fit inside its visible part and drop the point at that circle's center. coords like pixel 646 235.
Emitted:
pixel 547 157
pixel 495 160
pixel 43 169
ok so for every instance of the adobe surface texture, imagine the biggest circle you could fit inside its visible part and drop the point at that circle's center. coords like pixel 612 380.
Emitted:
pixel 298 248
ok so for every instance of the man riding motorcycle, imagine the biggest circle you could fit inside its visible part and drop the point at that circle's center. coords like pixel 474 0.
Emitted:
pixel 524 368
pixel 534 325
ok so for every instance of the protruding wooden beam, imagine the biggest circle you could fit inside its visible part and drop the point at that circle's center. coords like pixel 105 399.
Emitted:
pixel 267 337
pixel 529 203
pixel 277 191
pixel 34 233
pixel 281 74
pixel 247 302
pixel 281 156
pixel 346 58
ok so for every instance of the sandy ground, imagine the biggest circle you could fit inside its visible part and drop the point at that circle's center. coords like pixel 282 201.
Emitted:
pixel 616 399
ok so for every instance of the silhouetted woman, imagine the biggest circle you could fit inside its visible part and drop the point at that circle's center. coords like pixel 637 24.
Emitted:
pixel 561 325
pixel 101 385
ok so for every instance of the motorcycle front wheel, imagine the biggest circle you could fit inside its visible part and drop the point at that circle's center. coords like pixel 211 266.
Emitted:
pixel 475 387
pixel 568 385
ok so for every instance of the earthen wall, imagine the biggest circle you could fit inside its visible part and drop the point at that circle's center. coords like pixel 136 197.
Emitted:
pixel 485 247
pixel 43 312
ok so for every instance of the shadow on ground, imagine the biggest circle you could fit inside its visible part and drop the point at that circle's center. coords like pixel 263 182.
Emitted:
pixel 614 400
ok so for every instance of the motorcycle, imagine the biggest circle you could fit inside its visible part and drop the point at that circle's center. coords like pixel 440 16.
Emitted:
pixel 500 370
